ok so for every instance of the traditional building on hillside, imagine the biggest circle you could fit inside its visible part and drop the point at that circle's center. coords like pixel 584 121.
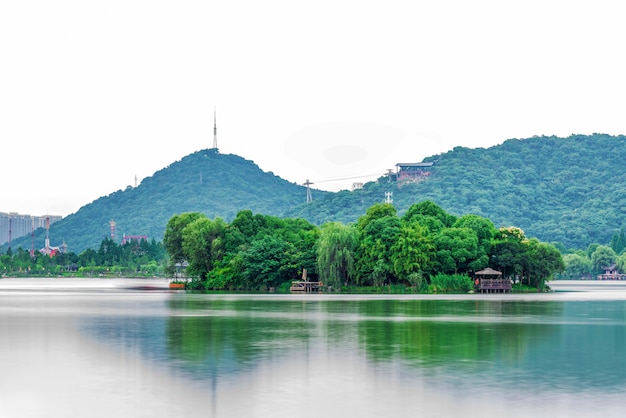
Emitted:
pixel 412 172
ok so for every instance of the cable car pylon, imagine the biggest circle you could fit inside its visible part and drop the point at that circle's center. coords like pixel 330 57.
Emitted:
pixel 309 197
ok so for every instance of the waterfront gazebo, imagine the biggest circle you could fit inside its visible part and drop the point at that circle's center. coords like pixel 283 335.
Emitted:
pixel 491 281
pixel 611 273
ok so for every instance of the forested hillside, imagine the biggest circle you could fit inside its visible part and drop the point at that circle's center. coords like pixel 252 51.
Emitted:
pixel 567 190
pixel 205 181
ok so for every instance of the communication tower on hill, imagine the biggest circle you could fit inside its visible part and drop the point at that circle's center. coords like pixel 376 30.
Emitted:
pixel 214 131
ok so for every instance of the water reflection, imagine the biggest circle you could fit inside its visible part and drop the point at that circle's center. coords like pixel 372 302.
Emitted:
pixel 163 354
pixel 517 342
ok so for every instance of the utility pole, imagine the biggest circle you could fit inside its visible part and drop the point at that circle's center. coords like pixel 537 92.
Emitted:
pixel 389 173
pixel 309 197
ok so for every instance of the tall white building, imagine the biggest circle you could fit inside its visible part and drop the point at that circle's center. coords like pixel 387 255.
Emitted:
pixel 14 225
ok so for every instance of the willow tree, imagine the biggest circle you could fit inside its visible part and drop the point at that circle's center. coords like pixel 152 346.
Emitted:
pixel 335 253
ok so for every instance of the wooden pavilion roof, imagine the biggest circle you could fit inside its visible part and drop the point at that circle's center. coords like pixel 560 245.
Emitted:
pixel 488 272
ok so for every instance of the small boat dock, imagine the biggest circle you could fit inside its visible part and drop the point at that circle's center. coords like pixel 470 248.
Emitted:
pixel 304 285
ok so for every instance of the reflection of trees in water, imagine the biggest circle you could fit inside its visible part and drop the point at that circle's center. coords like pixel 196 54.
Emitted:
pixel 435 332
pixel 243 332
pixel 232 335
pixel 546 342
pixel 540 344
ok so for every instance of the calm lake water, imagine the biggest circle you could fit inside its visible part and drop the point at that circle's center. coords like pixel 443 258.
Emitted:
pixel 112 348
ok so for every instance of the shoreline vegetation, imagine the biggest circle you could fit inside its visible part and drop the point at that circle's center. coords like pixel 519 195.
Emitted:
pixel 195 285
pixel 283 289
pixel 533 183
pixel 154 283
pixel 422 251
pixel 149 284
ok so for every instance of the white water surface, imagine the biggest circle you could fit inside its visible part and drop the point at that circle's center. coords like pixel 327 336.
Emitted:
pixel 133 348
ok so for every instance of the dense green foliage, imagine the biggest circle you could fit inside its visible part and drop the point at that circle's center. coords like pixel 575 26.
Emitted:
pixel 565 190
pixel 590 263
pixel 206 182
pixel 426 245
pixel 447 283
pixel 134 258
pixel 335 250
pixel 252 252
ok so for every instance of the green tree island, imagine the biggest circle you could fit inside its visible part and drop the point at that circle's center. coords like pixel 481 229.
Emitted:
pixel 426 249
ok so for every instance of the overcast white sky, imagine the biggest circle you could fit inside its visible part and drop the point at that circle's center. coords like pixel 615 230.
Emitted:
pixel 94 93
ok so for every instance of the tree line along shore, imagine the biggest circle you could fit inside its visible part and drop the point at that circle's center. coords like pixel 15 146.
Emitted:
pixel 424 250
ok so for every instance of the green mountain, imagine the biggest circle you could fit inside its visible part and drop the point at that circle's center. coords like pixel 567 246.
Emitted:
pixel 569 190
pixel 205 181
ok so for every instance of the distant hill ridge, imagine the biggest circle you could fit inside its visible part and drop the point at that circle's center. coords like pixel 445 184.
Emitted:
pixel 205 181
pixel 569 190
